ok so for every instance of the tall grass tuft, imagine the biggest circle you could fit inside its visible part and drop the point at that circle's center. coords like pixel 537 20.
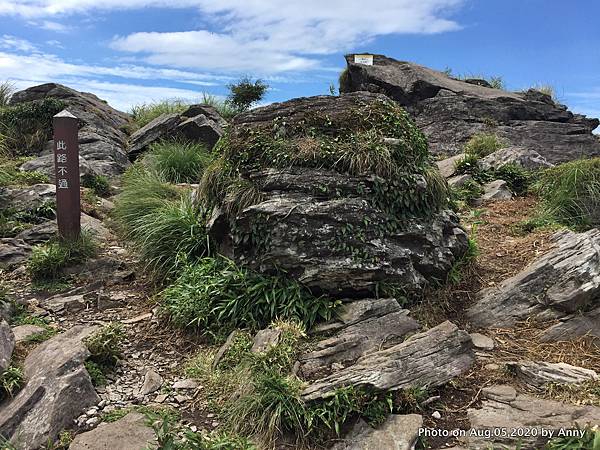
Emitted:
pixel 179 162
pixel 570 193
pixel 482 144
pixel 7 89
pixel 144 113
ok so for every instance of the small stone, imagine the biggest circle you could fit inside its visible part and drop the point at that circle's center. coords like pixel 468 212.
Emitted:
pixel 93 421
pixel 436 415
pixel 482 342
pixel 91 412
pixel 185 384
pixel 492 366
pixel 152 382
pixel 161 398
pixel 181 398
pixel 215 424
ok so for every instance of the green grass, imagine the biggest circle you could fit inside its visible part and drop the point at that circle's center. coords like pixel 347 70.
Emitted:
pixel 460 267
pixel 10 175
pixel 7 89
pixel 99 184
pixel 179 162
pixel 214 295
pixel 589 441
pixel 11 381
pixel 482 144
pixel 144 113
pixel 105 345
pixel 570 193
pixel 47 260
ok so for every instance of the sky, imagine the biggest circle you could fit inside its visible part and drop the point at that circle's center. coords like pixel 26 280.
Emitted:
pixel 134 51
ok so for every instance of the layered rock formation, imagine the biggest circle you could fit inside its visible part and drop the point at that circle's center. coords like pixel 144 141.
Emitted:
pixel 450 111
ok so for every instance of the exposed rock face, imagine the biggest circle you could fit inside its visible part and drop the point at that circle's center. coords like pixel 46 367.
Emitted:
pixel 7 345
pixel 361 327
pixel 27 198
pixel 199 123
pixel 398 432
pixel 128 433
pixel 58 390
pixel 325 223
pixel 526 158
pixel 504 409
pixel 102 140
pixel 24 332
pixel 540 373
pixel 496 190
pixel 13 252
pixel 450 111
pixel 431 358
pixel 562 285
pixel 45 164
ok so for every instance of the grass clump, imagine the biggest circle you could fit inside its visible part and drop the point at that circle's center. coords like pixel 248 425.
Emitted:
pixel 160 221
pixel 11 175
pixel 482 144
pixel 144 113
pixel 461 267
pixel 47 260
pixel 179 162
pixel 11 381
pixel 215 295
pixel 570 193
pixel 7 89
pixel 589 440
pixel 105 350
pixel 99 184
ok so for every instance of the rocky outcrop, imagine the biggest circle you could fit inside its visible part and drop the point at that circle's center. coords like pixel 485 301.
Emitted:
pixel 102 136
pixel 58 390
pixel 540 373
pixel 526 158
pixel 504 409
pixel 398 432
pixel 496 190
pixel 23 199
pixel 562 285
pixel 199 123
pixel 431 359
pixel 24 332
pixel 128 433
pixel 13 252
pixel 450 111
pixel 361 327
pixel 7 345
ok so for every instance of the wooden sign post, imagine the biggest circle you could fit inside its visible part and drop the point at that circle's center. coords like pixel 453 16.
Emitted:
pixel 66 165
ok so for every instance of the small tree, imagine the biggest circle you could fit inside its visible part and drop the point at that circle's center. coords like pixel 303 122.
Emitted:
pixel 246 92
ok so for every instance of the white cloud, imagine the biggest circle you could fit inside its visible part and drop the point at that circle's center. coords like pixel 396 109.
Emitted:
pixel 15 43
pixel 264 36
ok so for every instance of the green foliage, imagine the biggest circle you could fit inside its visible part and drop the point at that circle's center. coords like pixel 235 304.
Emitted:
pixel 246 92
pixel 482 144
pixel 544 88
pixel 589 441
pixel 468 164
pixel 160 221
pixel 214 295
pixel 282 356
pixel 7 89
pixel 96 372
pixel 570 193
pixel 97 183
pixel 11 175
pixel 47 260
pixel 145 113
pixel 105 345
pixel 26 127
pixel 223 107
pixel 496 82
pixel 466 194
pixel 237 352
pixel 11 381
pixel 517 178
pixel 458 269
pixel 179 162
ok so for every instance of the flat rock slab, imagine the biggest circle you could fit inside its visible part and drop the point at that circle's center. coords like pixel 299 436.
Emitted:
pixel 563 284
pixel 128 433
pixel 527 158
pixel 447 167
pixel 361 327
pixel 504 408
pixel 496 190
pixel 13 252
pixel 431 359
pixel 58 390
pixel 540 373
pixel 24 332
pixel 7 345
pixel 398 432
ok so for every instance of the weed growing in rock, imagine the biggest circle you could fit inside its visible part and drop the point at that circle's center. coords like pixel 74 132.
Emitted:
pixel 47 260
pixel 11 381
pixel 179 162
pixel 482 144
pixel 570 193
pixel 460 267
pixel 105 345
pixel 99 184
pixel 215 295
pixel 144 113
pixel 7 89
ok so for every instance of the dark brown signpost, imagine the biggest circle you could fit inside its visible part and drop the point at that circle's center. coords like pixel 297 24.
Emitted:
pixel 66 165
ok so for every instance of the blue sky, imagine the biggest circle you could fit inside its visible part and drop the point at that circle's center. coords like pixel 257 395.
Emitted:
pixel 131 51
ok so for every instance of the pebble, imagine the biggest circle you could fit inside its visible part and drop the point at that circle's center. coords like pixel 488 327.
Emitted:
pixel 93 421
pixel 436 415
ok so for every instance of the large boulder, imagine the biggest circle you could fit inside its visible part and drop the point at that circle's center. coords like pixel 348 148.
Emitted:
pixel 526 158
pixel 450 111
pixel 58 390
pixel 7 345
pixel 562 285
pixel 129 433
pixel 327 191
pixel 102 133
pixel 13 252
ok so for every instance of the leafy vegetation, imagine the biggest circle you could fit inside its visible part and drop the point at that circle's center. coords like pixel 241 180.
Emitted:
pixel 482 144
pixel 246 92
pixel 179 162
pixel 47 260
pixel 461 266
pixel 105 350
pixel 11 175
pixel 214 295
pixel 7 89
pixel 589 441
pixel 99 184
pixel 570 193
pixel 145 113
pixel 160 221
pixel 26 127
pixel 11 381
pixel 496 82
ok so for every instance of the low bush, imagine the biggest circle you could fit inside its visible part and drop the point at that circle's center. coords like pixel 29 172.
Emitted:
pixel 179 162
pixel 466 194
pixel 214 295
pixel 47 260
pixel 570 193
pixel 517 178
pixel 460 267
pixel 246 92
pixel 482 144
pixel 11 175
pixel 99 184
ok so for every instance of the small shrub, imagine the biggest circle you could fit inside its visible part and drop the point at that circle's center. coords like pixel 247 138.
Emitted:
pixel 11 381
pixel 214 295
pixel 570 193
pixel 468 164
pixel 465 194
pixel 517 178
pixel 179 162
pixel 482 144
pixel 97 183
pixel 105 345
pixel 223 107
pixel 47 260
pixel 246 92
